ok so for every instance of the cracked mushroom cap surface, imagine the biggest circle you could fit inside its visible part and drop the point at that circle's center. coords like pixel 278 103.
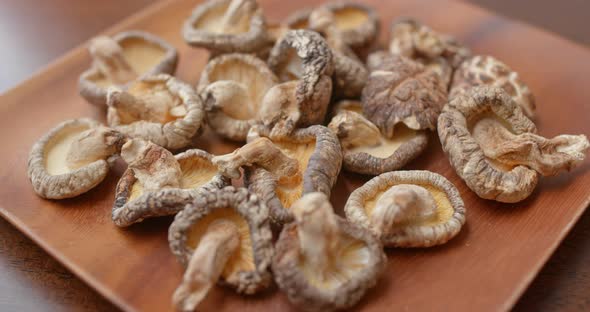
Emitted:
pixel 304 57
pixel 137 53
pixel 160 108
pixel 232 87
pixel 488 179
pixel 365 150
pixel 133 203
pixel 227 26
pixel 488 71
pixel 403 91
pixel 323 262
pixel 319 159
pixel 248 268
pixel 72 158
pixel 408 208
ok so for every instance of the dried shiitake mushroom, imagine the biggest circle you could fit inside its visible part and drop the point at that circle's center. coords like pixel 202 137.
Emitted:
pixel 226 26
pixel 233 87
pixel 408 208
pixel 403 91
pixel 222 237
pixel 488 71
pixel 439 53
pixel 187 175
pixel 365 150
pixel 322 262
pixel 303 62
pixel 281 170
pixel 160 108
pixel 494 147
pixel 72 158
pixel 358 23
pixel 123 58
pixel 350 74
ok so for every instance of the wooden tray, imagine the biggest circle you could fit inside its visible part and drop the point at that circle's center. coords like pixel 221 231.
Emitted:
pixel 485 268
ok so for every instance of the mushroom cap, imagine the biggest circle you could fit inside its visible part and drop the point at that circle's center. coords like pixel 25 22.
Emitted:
pixel 314 86
pixel 290 277
pixel 132 205
pixel 438 52
pixel 47 168
pixel 403 91
pixel 250 216
pixel 359 23
pixel 252 40
pixel 482 70
pixel 466 156
pixel 406 146
pixel 96 93
pixel 450 209
pixel 322 166
pixel 241 68
pixel 175 134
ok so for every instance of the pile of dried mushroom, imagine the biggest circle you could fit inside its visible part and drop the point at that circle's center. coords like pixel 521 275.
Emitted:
pixel 305 98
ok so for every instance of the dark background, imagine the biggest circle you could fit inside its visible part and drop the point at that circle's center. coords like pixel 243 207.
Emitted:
pixel 35 32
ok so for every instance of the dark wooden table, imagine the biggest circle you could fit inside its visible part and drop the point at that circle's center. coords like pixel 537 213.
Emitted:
pixel 33 33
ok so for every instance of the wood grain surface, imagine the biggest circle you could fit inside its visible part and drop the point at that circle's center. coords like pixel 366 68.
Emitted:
pixel 492 260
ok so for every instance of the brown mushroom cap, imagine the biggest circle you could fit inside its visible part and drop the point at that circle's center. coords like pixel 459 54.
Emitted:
pixel 412 39
pixel 307 291
pixel 247 70
pixel 48 170
pixel 204 29
pixel 487 179
pixel 304 56
pixel 248 269
pixel 403 91
pixel 488 71
pixel 379 155
pixel 318 153
pixel 199 176
pixel 146 53
pixel 175 132
pixel 437 229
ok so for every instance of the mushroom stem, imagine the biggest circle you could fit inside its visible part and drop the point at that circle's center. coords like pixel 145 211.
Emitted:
pixel 92 145
pixel 108 58
pixel 401 204
pixel 232 97
pixel 153 106
pixel 318 232
pixel 546 156
pixel 217 245
pixel 261 152
pixel 354 130
pixel 236 10
pixel 153 166
pixel 279 109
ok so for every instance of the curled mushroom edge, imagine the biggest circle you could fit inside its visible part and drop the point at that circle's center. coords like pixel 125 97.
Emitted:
pixel 124 58
pixel 322 262
pixel 408 208
pixel 159 184
pixel 72 158
pixel 495 148
pixel 224 238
